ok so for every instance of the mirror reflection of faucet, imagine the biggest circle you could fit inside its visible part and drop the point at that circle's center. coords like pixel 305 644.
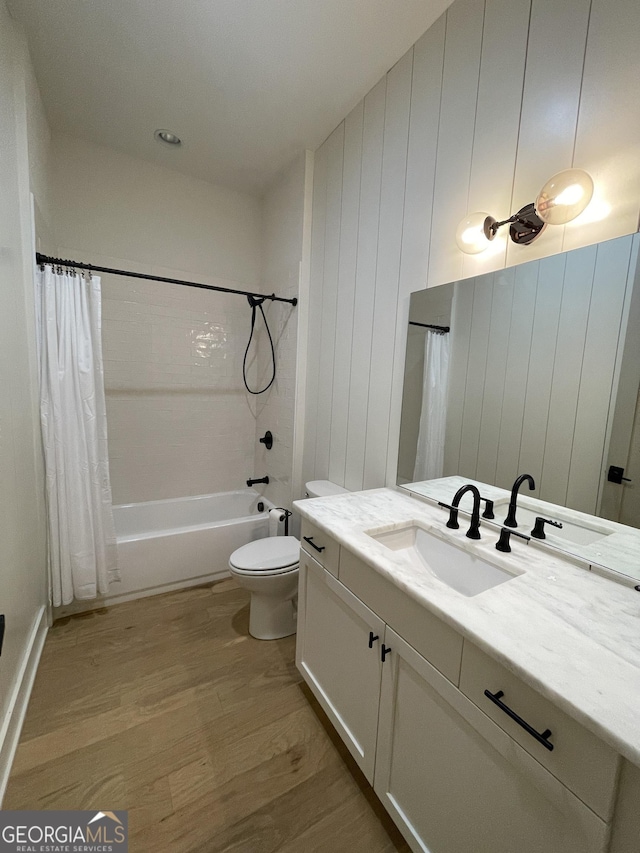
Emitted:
pixel 510 520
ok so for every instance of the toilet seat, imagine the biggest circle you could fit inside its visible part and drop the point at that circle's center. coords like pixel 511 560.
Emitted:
pixel 273 555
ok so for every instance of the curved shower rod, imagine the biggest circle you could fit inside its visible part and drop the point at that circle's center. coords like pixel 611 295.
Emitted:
pixel 45 259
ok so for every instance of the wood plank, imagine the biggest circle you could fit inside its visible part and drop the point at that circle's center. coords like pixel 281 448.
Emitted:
pixel 494 385
pixel 346 292
pixel 327 319
pixel 426 86
pixel 567 368
pixel 319 212
pixel 372 146
pixel 515 377
pixel 394 167
pixel 601 345
pixel 540 373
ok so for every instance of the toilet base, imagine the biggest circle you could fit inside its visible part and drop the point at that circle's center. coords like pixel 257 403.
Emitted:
pixel 270 618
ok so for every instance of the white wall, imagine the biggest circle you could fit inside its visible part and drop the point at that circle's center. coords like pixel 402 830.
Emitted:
pixel 23 585
pixel 179 420
pixel 495 98
pixel 282 249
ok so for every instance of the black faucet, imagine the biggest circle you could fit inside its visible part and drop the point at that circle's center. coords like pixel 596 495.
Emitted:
pixel 474 529
pixel 510 520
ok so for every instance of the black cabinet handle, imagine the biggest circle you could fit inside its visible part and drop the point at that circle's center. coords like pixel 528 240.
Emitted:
pixel 309 539
pixel 541 738
pixel 385 651
pixel 372 638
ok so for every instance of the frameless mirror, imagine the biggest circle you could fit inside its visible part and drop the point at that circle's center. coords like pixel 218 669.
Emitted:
pixel 534 369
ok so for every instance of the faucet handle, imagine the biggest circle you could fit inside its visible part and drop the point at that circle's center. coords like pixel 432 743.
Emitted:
pixel 488 508
pixel 506 533
pixel 538 528
pixel 453 515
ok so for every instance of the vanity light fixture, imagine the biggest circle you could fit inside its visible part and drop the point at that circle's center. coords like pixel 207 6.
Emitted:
pixel 561 199
pixel 167 136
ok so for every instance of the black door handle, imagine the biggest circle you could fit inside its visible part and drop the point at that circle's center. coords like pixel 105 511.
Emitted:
pixel 384 652
pixel 309 539
pixel 372 638
pixel 541 738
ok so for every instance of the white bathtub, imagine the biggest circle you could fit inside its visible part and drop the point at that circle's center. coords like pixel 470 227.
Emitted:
pixel 168 544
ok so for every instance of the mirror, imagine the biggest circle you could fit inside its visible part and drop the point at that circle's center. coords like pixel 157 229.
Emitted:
pixel 539 373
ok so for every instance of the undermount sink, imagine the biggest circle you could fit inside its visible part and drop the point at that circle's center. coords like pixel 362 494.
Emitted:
pixel 459 569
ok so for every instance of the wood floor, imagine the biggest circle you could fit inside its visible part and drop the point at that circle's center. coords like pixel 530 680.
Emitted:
pixel 168 708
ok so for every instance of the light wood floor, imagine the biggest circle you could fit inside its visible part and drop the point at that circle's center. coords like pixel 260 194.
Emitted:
pixel 168 708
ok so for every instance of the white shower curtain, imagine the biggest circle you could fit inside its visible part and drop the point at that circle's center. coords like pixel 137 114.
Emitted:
pixel 433 415
pixel 82 543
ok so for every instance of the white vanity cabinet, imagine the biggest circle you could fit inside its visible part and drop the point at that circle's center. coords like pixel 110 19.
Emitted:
pixel 338 653
pixel 455 782
pixel 454 779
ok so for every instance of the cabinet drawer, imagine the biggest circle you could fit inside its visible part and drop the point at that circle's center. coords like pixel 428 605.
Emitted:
pixel 579 759
pixel 432 638
pixel 320 546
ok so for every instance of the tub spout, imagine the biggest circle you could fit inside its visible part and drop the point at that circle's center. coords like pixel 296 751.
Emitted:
pixel 264 480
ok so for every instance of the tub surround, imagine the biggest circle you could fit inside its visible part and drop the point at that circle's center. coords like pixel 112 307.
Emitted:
pixel 570 634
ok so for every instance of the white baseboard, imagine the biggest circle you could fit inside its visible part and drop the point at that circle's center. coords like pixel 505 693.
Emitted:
pixel 111 599
pixel 12 724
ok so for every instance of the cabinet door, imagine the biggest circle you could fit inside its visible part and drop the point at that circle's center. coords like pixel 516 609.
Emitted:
pixel 337 660
pixel 456 783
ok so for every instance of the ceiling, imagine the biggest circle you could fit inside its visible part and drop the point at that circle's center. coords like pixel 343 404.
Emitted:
pixel 245 83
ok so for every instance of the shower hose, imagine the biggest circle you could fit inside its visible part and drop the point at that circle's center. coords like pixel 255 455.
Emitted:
pixel 256 302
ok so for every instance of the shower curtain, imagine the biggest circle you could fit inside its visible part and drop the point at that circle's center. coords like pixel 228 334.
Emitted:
pixel 433 415
pixel 82 542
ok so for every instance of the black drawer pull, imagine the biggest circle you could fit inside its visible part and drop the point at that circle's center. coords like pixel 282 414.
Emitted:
pixel 541 738
pixel 385 651
pixel 309 539
pixel 372 638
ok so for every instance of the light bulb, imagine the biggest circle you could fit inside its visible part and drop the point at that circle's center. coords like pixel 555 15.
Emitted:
pixel 564 196
pixel 474 234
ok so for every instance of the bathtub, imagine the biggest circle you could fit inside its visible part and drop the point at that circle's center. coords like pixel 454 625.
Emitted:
pixel 168 544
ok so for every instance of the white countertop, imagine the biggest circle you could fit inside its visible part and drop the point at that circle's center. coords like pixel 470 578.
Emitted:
pixel 572 635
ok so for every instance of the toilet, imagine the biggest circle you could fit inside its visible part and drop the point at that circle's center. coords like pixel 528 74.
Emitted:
pixel 268 568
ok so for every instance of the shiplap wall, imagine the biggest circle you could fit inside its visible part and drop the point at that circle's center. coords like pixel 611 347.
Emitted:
pixel 534 353
pixel 495 98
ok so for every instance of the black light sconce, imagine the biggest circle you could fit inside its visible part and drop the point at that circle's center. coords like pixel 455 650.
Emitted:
pixel 564 197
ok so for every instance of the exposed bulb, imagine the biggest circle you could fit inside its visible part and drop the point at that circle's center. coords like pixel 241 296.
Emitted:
pixel 474 233
pixel 564 196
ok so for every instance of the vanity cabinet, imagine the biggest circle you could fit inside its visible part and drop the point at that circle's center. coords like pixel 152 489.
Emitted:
pixel 456 775
pixel 338 653
pixel 454 781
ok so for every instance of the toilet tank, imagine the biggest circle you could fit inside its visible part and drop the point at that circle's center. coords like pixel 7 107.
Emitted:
pixel 323 489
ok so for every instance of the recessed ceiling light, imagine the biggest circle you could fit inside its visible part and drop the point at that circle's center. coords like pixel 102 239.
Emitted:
pixel 168 136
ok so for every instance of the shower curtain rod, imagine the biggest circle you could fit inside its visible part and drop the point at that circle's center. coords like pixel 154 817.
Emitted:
pixel 45 259
pixel 430 326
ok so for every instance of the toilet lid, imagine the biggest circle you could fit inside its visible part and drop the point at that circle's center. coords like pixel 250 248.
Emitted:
pixel 274 552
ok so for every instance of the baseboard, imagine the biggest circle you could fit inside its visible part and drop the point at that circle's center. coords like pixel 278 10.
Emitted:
pixel 111 599
pixel 12 725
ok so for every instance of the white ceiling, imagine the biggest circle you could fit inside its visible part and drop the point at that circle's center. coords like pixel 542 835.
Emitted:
pixel 245 83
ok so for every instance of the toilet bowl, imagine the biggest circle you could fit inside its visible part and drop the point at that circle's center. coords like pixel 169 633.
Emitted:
pixel 268 568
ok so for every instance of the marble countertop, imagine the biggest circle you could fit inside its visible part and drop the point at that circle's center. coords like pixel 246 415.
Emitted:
pixel 571 634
